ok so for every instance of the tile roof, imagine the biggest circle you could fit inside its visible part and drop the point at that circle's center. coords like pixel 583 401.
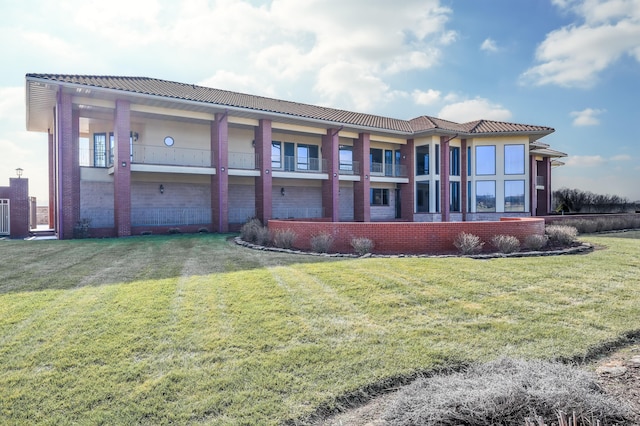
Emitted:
pixel 224 98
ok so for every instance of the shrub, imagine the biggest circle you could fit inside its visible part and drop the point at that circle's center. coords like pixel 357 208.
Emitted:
pixel 504 392
pixel 321 243
pixel 146 233
pixel 284 238
pixel 468 243
pixel 561 234
pixel 81 228
pixel 505 243
pixel 174 231
pixel 203 230
pixel 535 241
pixel 249 231
pixel 362 245
pixel 263 236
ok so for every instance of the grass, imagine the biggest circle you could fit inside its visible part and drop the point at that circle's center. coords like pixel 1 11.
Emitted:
pixel 191 329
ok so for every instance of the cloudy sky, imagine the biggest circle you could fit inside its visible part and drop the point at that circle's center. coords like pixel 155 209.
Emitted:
pixel 573 65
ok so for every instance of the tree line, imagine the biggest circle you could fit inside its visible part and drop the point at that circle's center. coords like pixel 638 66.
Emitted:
pixel 577 201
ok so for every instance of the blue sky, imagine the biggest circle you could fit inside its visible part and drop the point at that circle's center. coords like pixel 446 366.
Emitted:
pixel 573 65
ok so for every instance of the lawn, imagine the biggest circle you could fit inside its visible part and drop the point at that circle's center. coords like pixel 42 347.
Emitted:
pixel 193 329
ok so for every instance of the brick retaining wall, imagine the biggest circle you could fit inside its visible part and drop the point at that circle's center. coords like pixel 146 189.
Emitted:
pixel 407 237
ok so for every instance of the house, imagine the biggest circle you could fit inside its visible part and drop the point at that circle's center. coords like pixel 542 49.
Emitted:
pixel 135 154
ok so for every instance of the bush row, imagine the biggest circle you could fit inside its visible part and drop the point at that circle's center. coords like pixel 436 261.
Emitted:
pixel 602 224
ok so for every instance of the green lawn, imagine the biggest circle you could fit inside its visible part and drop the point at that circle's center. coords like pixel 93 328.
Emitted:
pixel 193 329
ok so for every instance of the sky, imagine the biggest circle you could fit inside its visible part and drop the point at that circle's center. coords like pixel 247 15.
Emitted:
pixel 573 65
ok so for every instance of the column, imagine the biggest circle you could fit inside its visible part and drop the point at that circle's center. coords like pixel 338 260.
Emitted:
pixel 546 164
pixel 331 186
pixel 52 180
pixel 464 178
pixel 408 190
pixel 122 169
pixel 533 192
pixel 220 181
pixel 264 181
pixel 361 194
pixel 68 168
pixel 444 178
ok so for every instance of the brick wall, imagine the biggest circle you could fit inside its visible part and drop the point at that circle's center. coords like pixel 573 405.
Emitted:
pixel 408 237
pixel 18 195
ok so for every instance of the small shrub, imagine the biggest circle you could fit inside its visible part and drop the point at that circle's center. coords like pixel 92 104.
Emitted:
pixel 249 231
pixel 362 245
pixel 505 243
pixel 284 238
pixel 203 230
pixel 174 231
pixel 146 233
pixel 561 234
pixel 535 242
pixel 81 228
pixel 468 243
pixel 263 236
pixel 321 243
pixel 505 392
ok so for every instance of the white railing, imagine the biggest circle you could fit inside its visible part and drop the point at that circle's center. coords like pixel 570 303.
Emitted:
pixel 170 216
pixel 385 169
pixel 349 168
pixel 243 160
pixel 169 156
pixel 306 165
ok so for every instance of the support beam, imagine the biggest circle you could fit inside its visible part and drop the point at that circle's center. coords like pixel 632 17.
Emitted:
pixel 331 186
pixel 264 182
pixel 122 169
pixel 445 195
pixel 220 181
pixel 408 190
pixel 361 194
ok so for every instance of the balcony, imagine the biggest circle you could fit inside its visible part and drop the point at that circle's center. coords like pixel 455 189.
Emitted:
pixel 169 156
pixel 244 160
pixel 388 170
pixel 349 168
pixel 300 165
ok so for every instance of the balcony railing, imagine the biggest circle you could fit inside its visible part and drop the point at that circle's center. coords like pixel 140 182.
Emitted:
pixel 170 216
pixel 302 165
pixel 169 156
pixel 390 170
pixel 349 168
pixel 244 160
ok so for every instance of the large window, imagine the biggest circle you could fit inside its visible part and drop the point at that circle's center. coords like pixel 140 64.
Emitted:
pixel 422 160
pixel 379 197
pixel 485 160
pixel 346 158
pixel 454 161
pixel 376 160
pixel 100 150
pixel 276 155
pixel 514 196
pixel 514 159
pixel 485 196
pixel 422 194
pixel 308 157
pixel 454 196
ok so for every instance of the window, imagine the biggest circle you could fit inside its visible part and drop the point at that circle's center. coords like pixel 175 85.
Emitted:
pixel 375 161
pixel 437 159
pixel 346 158
pixel 469 161
pixel 485 160
pixel 468 196
pixel 100 150
pixel 454 161
pixel 388 162
pixel 379 197
pixel 514 196
pixel 422 194
pixel 485 196
pixel 454 196
pixel 276 155
pixel 422 160
pixel 308 157
pixel 514 159
pixel 396 165
pixel 437 188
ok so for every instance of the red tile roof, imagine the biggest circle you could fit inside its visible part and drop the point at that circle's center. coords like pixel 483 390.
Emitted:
pixel 224 98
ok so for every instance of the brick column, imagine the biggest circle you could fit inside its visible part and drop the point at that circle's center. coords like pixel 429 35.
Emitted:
pixel 68 167
pixel 464 177
pixel 546 164
pixel 331 187
pixel 220 181
pixel 122 169
pixel 264 182
pixel 408 190
pixel 19 207
pixel 444 179
pixel 361 193
pixel 52 180
pixel 533 192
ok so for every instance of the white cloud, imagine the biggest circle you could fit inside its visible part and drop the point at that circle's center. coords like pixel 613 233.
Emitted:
pixel 228 80
pixel 489 45
pixel 426 98
pixel 586 117
pixel 585 160
pixel 575 54
pixel 474 109
pixel 621 157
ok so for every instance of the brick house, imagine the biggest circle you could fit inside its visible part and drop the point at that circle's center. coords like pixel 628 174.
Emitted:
pixel 134 154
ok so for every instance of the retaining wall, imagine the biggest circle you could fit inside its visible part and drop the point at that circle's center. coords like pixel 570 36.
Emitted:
pixel 407 237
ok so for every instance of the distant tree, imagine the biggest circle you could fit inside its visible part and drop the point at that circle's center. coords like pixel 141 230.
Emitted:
pixel 576 201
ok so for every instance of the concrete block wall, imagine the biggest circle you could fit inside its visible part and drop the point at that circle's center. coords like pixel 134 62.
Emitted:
pixel 408 237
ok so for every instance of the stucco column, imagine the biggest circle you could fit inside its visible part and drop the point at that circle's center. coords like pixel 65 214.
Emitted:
pixel 533 192
pixel 361 194
pixel 122 169
pixel 464 177
pixel 444 179
pixel 68 167
pixel 331 186
pixel 220 181
pixel 264 182
pixel 408 190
